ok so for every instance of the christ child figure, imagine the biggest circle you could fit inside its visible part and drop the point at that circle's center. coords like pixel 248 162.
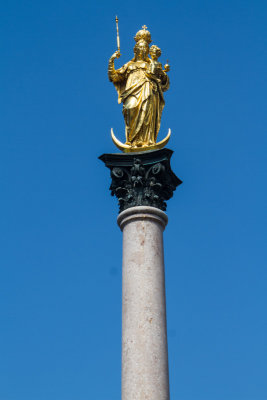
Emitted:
pixel 156 66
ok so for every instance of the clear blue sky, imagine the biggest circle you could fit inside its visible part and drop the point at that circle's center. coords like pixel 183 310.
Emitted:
pixel 60 248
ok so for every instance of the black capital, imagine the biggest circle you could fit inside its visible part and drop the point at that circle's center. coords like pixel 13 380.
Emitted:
pixel 141 179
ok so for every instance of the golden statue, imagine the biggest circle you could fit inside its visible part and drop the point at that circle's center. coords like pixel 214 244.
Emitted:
pixel 140 84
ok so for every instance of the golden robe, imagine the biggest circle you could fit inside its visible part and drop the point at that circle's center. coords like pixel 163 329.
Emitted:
pixel 140 91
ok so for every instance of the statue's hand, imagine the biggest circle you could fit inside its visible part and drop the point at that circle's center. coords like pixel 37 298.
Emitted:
pixel 117 54
pixel 166 68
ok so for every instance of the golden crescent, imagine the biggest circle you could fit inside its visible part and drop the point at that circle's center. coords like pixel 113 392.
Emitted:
pixel 126 148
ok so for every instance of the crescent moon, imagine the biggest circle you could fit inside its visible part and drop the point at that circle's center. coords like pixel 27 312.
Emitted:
pixel 126 148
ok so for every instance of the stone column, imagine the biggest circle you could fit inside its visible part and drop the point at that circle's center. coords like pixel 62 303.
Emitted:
pixel 142 183
pixel 144 336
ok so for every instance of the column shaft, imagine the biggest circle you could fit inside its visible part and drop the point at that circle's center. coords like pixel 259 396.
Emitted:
pixel 144 337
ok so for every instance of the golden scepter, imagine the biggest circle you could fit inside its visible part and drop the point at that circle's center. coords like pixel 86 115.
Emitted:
pixel 118 36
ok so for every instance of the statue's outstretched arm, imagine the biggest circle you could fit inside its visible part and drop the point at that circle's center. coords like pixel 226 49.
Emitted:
pixel 113 74
pixel 165 81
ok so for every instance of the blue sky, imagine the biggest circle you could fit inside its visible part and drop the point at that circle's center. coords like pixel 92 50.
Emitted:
pixel 60 248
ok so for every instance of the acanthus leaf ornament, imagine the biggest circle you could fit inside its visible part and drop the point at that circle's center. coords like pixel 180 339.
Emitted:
pixel 141 179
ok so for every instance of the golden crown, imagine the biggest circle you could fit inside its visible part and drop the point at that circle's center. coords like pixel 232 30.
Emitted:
pixel 143 34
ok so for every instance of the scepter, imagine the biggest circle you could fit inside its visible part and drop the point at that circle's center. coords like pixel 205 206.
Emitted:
pixel 118 36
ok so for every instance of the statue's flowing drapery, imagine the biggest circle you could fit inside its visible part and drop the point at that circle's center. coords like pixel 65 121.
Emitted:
pixel 142 98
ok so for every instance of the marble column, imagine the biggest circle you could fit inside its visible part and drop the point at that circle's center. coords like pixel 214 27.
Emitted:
pixel 144 336
pixel 143 183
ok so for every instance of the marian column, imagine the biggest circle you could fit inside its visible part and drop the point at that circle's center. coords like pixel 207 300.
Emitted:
pixel 142 181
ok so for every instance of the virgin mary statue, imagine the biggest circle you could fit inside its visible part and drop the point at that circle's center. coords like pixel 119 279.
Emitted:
pixel 140 84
